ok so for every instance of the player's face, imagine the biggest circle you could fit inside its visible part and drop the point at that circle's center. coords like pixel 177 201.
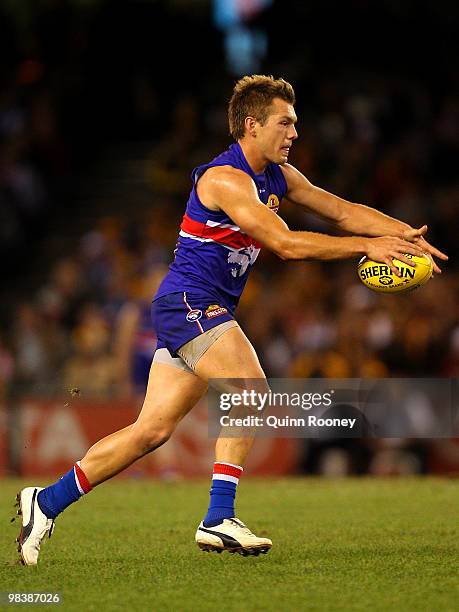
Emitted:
pixel 277 134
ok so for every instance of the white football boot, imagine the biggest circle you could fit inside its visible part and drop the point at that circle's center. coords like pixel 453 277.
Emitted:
pixel 35 525
pixel 231 535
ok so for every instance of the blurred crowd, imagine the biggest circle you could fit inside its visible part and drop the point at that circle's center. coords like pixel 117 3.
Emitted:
pixel 380 138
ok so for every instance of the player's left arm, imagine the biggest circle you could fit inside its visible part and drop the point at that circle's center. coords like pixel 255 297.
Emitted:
pixel 350 217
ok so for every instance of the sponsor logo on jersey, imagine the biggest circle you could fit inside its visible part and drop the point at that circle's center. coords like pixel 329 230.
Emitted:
pixel 194 315
pixel 215 311
pixel 273 202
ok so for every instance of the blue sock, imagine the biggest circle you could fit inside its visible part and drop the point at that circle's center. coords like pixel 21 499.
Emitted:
pixel 54 499
pixel 222 493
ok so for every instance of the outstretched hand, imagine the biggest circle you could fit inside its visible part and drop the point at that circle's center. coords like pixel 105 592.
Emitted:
pixel 416 236
pixel 385 249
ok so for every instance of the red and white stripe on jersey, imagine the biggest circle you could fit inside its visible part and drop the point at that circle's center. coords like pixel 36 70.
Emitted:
pixel 190 310
pixel 227 471
pixel 83 484
pixel 212 231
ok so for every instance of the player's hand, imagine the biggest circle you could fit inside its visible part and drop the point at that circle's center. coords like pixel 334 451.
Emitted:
pixel 385 248
pixel 416 236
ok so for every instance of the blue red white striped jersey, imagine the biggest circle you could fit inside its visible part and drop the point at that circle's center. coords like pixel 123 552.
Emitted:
pixel 213 254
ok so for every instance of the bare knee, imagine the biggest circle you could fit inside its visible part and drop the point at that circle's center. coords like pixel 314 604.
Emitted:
pixel 147 439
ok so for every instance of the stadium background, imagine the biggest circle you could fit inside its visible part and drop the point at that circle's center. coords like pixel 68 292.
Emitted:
pixel 105 107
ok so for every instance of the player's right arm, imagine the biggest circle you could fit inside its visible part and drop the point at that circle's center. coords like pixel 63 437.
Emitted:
pixel 234 192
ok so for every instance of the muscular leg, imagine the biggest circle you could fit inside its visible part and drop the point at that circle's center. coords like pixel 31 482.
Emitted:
pixel 232 356
pixel 171 393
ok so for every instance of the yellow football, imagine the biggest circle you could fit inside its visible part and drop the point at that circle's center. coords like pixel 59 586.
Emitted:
pixel 379 277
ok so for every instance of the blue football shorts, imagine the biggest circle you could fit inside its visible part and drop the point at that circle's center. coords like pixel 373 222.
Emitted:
pixel 182 316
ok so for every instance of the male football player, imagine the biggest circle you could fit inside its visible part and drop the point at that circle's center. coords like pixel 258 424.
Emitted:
pixel 231 213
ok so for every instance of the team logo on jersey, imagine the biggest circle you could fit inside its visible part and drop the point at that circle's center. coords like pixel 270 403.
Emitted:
pixel 273 202
pixel 194 315
pixel 215 311
pixel 242 259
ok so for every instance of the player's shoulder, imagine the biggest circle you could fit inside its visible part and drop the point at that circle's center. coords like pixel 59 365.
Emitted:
pixel 215 173
pixel 216 176
pixel 293 177
pixel 289 171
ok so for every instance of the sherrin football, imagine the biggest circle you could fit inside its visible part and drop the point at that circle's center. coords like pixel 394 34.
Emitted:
pixel 379 277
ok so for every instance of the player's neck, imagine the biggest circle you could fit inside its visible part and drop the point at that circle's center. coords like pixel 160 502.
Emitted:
pixel 253 156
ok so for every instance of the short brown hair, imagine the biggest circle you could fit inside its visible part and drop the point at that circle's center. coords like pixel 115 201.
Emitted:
pixel 252 97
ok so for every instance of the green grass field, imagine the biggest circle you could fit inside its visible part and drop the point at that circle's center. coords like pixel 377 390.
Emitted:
pixel 337 545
